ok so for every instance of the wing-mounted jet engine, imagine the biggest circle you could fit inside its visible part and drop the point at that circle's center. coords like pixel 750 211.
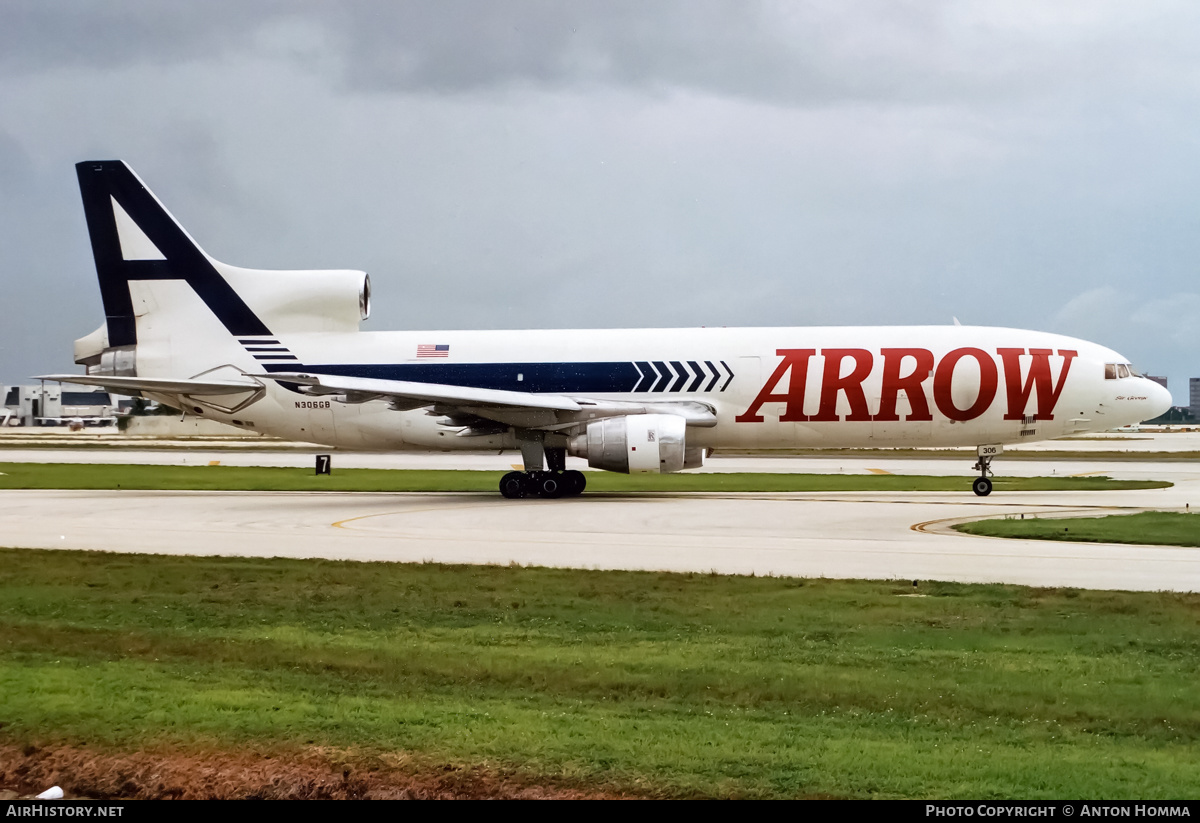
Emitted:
pixel 637 444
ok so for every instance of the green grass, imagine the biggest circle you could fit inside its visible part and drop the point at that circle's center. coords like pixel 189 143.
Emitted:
pixel 1150 528
pixel 101 476
pixel 679 685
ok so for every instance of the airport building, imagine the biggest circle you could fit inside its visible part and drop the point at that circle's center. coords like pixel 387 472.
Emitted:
pixel 1194 400
pixel 1162 381
pixel 53 406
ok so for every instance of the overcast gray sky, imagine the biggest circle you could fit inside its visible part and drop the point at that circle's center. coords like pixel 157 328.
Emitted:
pixel 501 164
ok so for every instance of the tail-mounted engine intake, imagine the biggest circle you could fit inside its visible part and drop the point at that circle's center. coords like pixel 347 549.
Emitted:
pixel 303 301
pixel 637 444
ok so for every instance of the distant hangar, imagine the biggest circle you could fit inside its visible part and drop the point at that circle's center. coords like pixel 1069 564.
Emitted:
pixel 56 406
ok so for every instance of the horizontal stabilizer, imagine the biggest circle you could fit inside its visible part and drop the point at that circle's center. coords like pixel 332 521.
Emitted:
pixel 426 392
pixel 157 385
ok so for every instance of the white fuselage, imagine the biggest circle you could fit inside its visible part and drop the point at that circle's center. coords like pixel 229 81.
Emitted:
pixel 770 388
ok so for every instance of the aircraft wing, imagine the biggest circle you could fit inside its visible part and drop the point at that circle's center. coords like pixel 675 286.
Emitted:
pixel 528 409
pixel 421 394
pixel 124 385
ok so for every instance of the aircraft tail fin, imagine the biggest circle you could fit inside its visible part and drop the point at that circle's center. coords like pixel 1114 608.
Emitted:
pixel 134 237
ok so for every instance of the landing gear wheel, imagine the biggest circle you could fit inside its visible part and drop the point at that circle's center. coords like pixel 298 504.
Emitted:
pixel 516 485
pixel 551 485
pixel 512 485
pixel 575 481
pixel 982 486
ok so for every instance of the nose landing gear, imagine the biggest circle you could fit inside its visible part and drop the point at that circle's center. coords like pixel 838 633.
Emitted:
pixel 982 485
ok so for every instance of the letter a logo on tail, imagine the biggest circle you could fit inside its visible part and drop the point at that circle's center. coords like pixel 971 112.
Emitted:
pixel 135 238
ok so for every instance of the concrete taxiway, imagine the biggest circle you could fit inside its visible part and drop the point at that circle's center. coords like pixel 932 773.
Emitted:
pixel 1131 466
pixel 895 535
pixel 898 535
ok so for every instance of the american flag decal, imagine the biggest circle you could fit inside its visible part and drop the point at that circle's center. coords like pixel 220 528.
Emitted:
pixel 431 350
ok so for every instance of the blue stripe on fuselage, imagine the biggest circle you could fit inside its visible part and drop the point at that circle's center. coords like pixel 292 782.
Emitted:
pixel 585 378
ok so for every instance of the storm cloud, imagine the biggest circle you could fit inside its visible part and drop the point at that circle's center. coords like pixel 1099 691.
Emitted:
pixel 527 164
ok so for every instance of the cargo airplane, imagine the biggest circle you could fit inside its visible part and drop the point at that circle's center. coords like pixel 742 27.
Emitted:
pixel 281 352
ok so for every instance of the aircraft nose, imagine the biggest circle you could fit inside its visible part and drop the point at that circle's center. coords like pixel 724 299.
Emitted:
pixel 1158 400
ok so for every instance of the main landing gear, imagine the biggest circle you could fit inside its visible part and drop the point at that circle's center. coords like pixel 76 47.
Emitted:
pixel 536 481
pixel 542 484
pixel 982 485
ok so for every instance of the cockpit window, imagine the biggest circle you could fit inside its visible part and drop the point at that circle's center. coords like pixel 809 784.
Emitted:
pixel 1110 371
pixel 1135 372
pixel 1122 370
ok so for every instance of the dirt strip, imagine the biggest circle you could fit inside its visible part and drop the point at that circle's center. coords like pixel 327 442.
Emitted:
pixel 311 773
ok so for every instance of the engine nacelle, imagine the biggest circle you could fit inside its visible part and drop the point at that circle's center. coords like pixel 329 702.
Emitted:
pixel 637 444
pixel 303 301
